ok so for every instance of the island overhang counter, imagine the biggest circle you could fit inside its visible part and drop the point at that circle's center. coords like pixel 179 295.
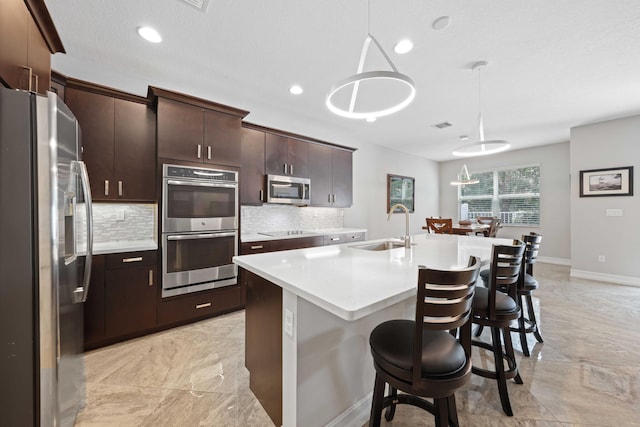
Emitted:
pixel 309 313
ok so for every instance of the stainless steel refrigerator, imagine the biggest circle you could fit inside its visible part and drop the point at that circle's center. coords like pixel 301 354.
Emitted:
pixel 44 191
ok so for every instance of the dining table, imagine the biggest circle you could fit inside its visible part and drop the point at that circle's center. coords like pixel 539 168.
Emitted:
pixel 465 229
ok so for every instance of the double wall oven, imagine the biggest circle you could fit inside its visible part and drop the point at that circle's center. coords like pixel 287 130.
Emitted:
pixel 199 228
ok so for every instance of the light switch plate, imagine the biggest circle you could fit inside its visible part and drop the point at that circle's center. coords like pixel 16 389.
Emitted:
pixel 120 215
pixel 614 212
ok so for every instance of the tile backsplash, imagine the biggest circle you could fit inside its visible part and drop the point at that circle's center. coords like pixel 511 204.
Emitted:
pixel 121 222
pixel 282 217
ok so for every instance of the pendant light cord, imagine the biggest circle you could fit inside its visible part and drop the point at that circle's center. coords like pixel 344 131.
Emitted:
pixel 480 121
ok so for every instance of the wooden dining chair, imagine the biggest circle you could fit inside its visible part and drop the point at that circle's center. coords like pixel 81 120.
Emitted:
pixel 439 225
pixel 429 357
pixel 494 224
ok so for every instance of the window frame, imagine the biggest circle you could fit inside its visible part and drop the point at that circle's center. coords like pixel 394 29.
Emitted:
pixel 496 197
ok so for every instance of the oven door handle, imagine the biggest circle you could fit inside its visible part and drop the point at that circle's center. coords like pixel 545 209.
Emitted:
pixel 201 184
pixel 199 236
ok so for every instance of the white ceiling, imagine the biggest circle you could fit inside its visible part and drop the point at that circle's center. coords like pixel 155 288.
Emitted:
pixel 553 64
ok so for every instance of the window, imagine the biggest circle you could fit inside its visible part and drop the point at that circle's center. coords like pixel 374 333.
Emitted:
pixel 513 195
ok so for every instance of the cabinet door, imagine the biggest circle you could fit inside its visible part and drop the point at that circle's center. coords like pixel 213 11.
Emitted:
pixel 130 300
pixel 180 131
pixel 95 114
pixel 320 175
pixel 298 154
pixel 276 154
pixel 13 42
pixel 252 180
pixel 342 177
pixel 39 59
pixel 221 138
pixel 94 306
pixel 135 152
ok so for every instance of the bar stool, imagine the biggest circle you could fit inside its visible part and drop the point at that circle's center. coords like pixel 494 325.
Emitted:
pixel 423 358
pixel 495 307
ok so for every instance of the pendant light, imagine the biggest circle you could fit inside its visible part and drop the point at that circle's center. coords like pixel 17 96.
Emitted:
pixel 464 178
pixel 354 81
pixel 481 147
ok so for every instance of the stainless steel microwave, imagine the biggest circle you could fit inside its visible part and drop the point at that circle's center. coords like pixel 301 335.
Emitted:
pixel 289 190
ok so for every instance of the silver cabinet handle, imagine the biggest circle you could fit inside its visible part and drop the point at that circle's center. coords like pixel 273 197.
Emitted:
pixel 285 168
pixel 30 78
pixel 334 198
pixel 257 247
pixel 150 277
pixel 205 305
pixel 329 198
pixel 36 76
pixel 290 169
pixel 261 195
pixel 208 152
pixel 120 188
pixel 135 259
pixel 106 187
pixel 199 151
pixel 335 239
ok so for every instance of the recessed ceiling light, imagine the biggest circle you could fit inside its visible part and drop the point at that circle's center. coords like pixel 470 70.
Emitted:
pixel 441 23
pixel 464 137
pixel 296 90
pixel 149 34
pixel 403 46
pixel 371 119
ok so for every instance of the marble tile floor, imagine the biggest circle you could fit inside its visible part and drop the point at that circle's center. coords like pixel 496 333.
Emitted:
pixel 587 372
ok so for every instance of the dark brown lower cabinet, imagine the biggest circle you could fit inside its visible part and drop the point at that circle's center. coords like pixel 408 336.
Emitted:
pixel 189 307
pixel 263 343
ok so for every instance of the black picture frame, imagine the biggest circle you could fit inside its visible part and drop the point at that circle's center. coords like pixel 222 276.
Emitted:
pixel 607 182
pixel 400 189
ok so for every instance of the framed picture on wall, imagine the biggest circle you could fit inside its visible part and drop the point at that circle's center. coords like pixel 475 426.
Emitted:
pixel 607 182
pixel 400 189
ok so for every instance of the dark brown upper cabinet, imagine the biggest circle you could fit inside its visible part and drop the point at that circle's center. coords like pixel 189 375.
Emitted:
pixel 331 174
pixel 197 130
pixel 27 40
pixel 252 180
pixel 286 156
pixel 118 142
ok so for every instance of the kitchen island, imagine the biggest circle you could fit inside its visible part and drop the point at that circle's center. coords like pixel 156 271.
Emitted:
pixel 309 313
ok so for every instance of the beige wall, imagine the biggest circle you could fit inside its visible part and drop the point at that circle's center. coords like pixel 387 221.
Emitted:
pixel 609 144
pixel 554 194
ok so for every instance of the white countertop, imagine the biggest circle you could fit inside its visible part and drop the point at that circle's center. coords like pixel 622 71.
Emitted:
pixel 257 237
pixel 352 283
pixel 119 247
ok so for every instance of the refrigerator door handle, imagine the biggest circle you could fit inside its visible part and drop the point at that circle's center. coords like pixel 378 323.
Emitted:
pixel 81 293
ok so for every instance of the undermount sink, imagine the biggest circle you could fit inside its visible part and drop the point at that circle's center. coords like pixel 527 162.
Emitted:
pixel 381 246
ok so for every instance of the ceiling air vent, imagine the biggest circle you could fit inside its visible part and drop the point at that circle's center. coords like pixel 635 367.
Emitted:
pixel 442 125
pixel 201 5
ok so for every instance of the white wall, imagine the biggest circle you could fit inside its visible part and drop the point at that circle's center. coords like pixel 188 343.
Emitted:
pixel 609 144
pixel 554 194
pixel 371 164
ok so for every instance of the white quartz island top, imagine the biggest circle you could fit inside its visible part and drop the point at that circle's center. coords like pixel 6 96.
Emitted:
pixel 352 283
pixel 258 237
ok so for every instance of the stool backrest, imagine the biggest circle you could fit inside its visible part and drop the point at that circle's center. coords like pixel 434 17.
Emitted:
pixel 506 262
pixel 532 246
pixel 444 302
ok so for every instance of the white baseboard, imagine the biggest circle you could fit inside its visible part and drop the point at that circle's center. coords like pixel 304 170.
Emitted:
pixel 556 261
pixel 601 277
pixel 356 416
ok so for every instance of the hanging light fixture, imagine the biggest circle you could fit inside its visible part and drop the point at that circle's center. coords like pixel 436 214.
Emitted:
pixel 481 147
pixel 354 81
pixel 464 178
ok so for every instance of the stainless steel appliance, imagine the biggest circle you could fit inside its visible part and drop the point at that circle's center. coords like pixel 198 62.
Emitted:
pixel 199 229
pixel 43 278
pixel 289 190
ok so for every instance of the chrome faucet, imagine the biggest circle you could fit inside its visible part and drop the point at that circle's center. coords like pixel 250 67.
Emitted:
pixel 407 236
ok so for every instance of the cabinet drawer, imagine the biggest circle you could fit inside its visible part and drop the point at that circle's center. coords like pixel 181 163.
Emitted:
pixel 131 259
pixel 248 248
pixel 201 304
pixel 335 239
pixel 297 243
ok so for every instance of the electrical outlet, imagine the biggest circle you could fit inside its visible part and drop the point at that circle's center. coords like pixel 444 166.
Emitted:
pixel 288 322
pixel 600 258
pixel 614 212
pixel 120 215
